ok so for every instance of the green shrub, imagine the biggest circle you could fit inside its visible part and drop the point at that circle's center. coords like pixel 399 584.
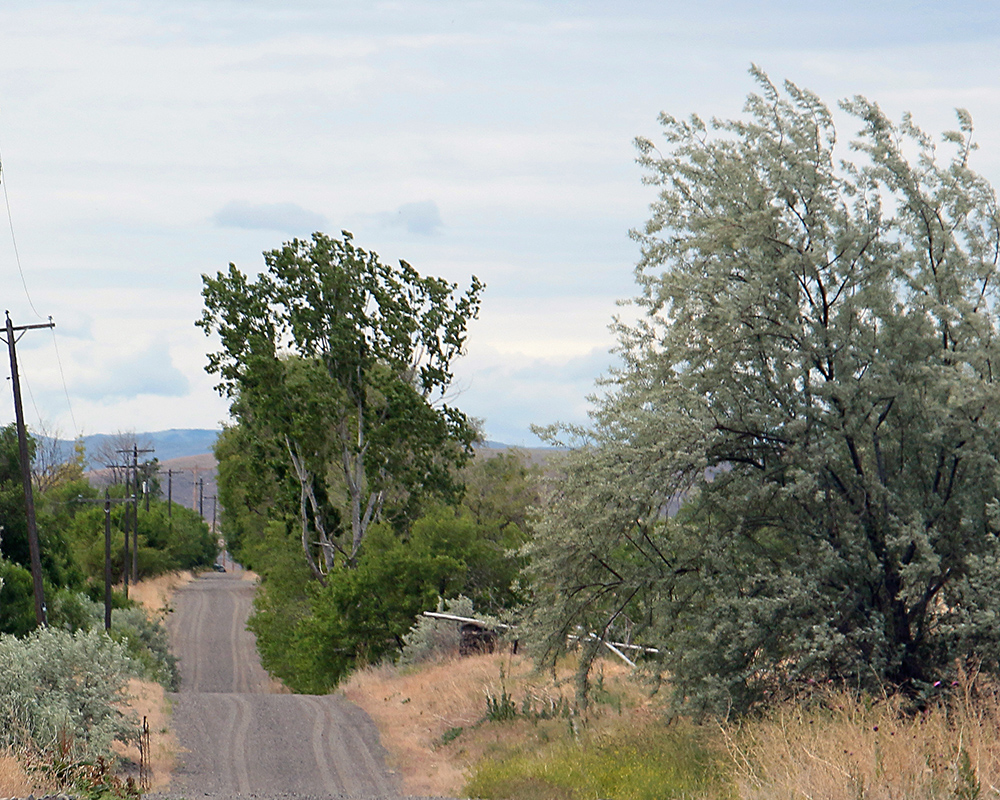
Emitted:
pixel 17 599
pixel 431 638
pixel 145 640
pixel 61 693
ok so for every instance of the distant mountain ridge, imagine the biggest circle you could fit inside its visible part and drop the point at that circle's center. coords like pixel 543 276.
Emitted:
pixel 176 443
pixel 166 445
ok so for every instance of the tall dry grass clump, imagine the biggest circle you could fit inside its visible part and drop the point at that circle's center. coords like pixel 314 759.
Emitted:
pixel 836 745
pixel 415 708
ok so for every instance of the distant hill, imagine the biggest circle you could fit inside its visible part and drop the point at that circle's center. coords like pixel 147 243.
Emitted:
pixel 183 442
pixel 166 445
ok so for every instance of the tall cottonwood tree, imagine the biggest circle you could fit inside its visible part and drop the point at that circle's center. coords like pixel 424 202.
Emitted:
pixel 340 362
pixel 813 381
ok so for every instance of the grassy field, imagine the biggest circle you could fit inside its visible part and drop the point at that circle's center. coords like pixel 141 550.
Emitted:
pixel 489 727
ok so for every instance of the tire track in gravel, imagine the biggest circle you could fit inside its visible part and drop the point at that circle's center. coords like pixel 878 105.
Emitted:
pixel 238 738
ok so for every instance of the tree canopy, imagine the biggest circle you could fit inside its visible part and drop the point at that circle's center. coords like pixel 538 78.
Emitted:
pixel 337 366
pixel 810 381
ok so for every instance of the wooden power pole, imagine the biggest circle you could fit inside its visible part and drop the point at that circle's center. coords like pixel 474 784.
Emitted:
pixel 22 444
pixel 133 485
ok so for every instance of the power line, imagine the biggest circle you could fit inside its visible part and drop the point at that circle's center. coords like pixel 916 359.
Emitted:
pixel 31 395
pixel 10 223
pixel 27 294
pixel 62 377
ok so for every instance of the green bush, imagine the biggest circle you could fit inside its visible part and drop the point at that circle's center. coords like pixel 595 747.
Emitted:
pixel 145 640
pixel 432 638
pixel 61 693
pixel 17 599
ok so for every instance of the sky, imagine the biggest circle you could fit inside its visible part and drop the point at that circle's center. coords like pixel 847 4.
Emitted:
pixel 144 144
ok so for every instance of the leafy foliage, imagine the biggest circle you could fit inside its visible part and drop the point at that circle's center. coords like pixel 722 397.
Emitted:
pixel 359 616
pixel 310 635
pixel 333 359
pixel 17 605
pixel 62 693
pixel 812 377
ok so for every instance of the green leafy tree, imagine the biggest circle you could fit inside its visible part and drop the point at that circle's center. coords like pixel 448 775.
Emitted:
pixel 341 362
pixel 13 521
pixel 256 490
pixel 179 541
pixel 58 568
pixel 310 635
pixel 812 380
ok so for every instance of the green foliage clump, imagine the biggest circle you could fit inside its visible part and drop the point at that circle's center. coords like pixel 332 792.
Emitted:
pixel 58 565
pixel 146 642
pixel 145 639
pixel 811 381
pixel 432 638
pixel 358 618
pixel 311 633
pixel 655 763
pixel 181 540
pixel 17 604
pixel 61 693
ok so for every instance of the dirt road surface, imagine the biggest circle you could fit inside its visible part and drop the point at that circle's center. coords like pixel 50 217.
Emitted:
pixel 238 738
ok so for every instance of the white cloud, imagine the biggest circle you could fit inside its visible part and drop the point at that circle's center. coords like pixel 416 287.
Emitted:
pixel 422 218
pixel 512 392
pixel 116 377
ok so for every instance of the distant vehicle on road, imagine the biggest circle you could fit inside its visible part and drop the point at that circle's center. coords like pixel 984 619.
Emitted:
pixel 218 567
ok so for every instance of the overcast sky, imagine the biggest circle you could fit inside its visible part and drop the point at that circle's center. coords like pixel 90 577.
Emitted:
pixel 146 143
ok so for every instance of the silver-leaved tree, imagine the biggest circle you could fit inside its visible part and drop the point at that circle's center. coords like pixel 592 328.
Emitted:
pixel 794 474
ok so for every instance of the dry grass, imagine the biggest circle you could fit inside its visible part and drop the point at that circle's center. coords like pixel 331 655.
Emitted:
pixel 415 707
pixel 838 746
pixel 154 594
pixel 832 746
pixel 148 700
pixel 15 782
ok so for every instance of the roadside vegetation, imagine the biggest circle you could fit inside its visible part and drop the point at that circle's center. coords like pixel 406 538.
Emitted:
pixel 72 696
pixel 784 506
pixel 449 732
pixel 787 490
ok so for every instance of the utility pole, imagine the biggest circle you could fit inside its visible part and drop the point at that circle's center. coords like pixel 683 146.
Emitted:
pixel 170 492
pixel 194 486
pixel 22 445
pixel 127 499
pixel 201 497
pixel 108 579
pixel 135 509
pixel 107 559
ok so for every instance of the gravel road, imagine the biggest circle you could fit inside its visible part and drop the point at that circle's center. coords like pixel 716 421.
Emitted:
pixel 240 740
